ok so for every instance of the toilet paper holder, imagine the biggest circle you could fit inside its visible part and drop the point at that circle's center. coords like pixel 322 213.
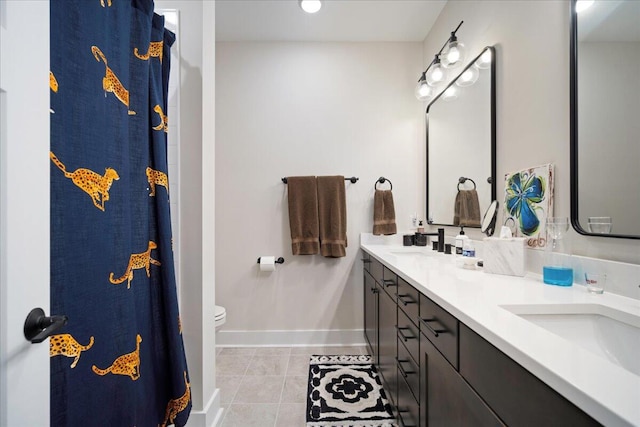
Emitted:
pixel 279 260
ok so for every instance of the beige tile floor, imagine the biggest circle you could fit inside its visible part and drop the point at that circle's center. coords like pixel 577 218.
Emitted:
pixel 267 386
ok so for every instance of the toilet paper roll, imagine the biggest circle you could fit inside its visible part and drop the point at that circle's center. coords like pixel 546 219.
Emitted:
pixel 267 263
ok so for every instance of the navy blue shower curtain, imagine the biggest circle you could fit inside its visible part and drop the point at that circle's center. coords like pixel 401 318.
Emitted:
pixel 120 360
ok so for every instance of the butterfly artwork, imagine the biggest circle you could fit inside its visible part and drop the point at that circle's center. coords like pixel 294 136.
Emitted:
pixel 528 202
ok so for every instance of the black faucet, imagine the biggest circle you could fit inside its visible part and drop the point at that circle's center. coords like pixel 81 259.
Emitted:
pixel 440 235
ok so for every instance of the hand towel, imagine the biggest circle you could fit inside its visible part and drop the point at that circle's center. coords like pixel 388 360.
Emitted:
pixel 303 215
pixel 332 211
pixel 384 213
pixel 467 209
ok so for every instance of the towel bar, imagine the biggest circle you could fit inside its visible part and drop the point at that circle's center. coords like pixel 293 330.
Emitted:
pixel 353 179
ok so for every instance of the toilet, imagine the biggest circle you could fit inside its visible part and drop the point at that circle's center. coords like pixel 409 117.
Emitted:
pixel 220 316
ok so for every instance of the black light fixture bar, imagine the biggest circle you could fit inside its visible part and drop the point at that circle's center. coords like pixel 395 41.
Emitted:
pixel 452 37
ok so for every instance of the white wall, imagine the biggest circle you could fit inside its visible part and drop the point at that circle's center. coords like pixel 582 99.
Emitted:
pixel 532 43
pixel 196 281
pixel 287 109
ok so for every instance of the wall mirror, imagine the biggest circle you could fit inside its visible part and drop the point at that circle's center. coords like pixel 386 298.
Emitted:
pixel 461 141
pixel 605 118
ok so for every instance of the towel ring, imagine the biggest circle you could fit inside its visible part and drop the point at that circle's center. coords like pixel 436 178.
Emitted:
pixel 462 180
pixel 382 180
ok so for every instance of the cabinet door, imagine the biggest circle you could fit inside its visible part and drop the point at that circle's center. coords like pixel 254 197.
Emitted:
pixel 518 396
pixel 387 334
pixel 371 315
pixel 445 398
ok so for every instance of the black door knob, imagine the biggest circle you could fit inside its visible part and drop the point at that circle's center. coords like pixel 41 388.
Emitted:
pixel 38 327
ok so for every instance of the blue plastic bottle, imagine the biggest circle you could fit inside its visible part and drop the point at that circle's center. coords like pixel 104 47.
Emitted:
pixel 557 261
pixel 560 276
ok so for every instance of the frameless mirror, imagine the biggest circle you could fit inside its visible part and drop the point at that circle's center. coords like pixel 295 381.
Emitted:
pixel 489 220
pixel 461 145
pixel 605 112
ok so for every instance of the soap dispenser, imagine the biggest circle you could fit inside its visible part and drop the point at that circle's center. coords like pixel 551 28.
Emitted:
pixel 460 240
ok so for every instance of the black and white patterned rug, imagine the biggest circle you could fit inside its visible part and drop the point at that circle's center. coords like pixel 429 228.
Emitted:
pixel 345 391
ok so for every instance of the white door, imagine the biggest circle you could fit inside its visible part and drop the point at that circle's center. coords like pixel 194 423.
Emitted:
pixel 24 209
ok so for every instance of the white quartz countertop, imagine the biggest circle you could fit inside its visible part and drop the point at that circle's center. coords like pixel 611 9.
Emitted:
pixel 601 388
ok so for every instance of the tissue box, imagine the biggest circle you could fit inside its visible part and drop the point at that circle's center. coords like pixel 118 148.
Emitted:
pixel 504 256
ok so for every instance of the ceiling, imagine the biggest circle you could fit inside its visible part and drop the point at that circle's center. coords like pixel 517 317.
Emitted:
pixel 338 20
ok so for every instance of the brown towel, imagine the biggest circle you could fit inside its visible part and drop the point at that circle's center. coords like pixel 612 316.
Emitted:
pixel 332 210
pixel 384 213
pixel 467 209
pixel 303 215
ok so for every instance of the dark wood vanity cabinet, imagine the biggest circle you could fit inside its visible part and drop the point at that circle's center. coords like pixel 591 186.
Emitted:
pixel 387 336
pixel 518 396
pixel 380 321
pixel 437 372
pixel 446 398
pixel 371 315
pixel 408 359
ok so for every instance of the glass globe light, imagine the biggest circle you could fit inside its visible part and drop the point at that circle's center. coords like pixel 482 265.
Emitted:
pixel 423 90
pixel 435 75
pixel 468 77
pixel 454 54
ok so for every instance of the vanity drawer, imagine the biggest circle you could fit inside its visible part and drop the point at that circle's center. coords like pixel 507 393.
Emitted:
pixel 409 369
pixel 375 268
pixel 407 406
pixel 366 261
pixel 389 282
pixel 408 300
pixel 409 335
pixel 441 328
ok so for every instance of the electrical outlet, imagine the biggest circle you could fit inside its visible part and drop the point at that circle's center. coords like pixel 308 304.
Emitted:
pixel 414 219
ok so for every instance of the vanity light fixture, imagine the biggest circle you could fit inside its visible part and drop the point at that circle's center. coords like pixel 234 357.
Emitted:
pixel 310 6
pixel 435 72
pixel 423 90
pixel 455 53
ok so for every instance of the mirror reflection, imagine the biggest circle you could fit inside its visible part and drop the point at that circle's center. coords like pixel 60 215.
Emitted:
pixel 461 146
pixel 606 130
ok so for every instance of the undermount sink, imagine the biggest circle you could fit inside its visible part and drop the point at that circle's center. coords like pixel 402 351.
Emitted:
pixel 603 330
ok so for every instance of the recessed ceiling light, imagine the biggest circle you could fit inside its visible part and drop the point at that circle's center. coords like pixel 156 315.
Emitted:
pixel 310 6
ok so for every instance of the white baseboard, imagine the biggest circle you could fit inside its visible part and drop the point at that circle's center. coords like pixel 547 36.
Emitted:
pixel 338 337
pixel 209 416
